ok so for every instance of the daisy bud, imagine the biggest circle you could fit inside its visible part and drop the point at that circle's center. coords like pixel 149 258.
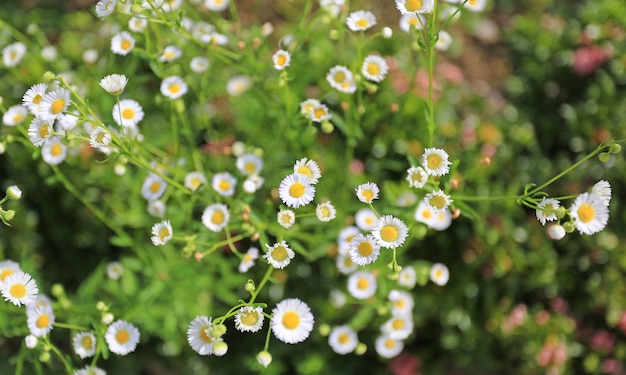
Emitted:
pixel 324 330
pixel 30 341
pixel 3 147
pixel 48 76
pixel 220 348
pixel 58 290
pixel 387 32
pixel 569 227
pixel 555 232
pixel 250 287
pixel 8 215
pixel 560 212
pixel 107 318
pixel 264 358
pixel 604 157
pixel 333 34
pixel 14 192
pixel 360 349
pixel 615 148
pixel 101 306
pixel 44 357
pixel 218 330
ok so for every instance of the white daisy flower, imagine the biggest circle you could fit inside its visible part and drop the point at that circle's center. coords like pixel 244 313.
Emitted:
pixel 89 370
pixel 362 284
pixel 238 85
pixel 306 107
pixel 475 5
pixel 439 274
pixel 435 161
pixel 137 24
pixel 195 180
pixel 249 319
pixel 153 187
pixel 364 249
pixel 249 164
pixel 114 84
pixel 40 320
pixel 338 75
pixel 402 302
pixel 53 151
pixel 90 56
pixel 415 6
pixel 286 218
pixel 387 347
pixel 367 192
pixel 546 210
pixel 252 184
pixel 590 213
pixel 417 177
pixel 173 87
pixel 343 339
pixel 199 335
pixel 13 54
pixel 215 38
pixel 8 267
pixel 170 53
pixel 14 192
pixel 444 41
pixel 247 261
pixel 555 231
pixel 279 255
pixel 122 43
pixel 360 20
pixel 436 220
pixel 84 344
pixel 161 233
pixel 308 168
pixel 19 288
pixel 199 64
pixel 156 208
pixel 365 219
pixel 40 301
pixel 115 270
pixel 602 190
pixel 224 184
pixel 398 327
pixel 121 337
pixel 337 298
pixel 14 115
pixel 325 212
pixel 216 217
pixel 30 341
pixel 320 113
pixel 296 190
pixel 281 59
pixel 216 5
pixel 172 5
pixel 33 97
pixel 54 103
pixel 127 112
pixel 292 321
pixel 345 264
pixel 374 68
pixel 390 232
pixel 40 131
pixel 67 122
pixel 437 201
pixel 412 21
pixel 105 8
pixel 345 237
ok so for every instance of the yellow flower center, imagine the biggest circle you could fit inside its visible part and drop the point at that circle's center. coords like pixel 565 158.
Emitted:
pixel 57 106
pixel 100 137
pixel 249 167
pixel 365 248
pixel 398 324
pixel 195 183
pixel 434 161
pixel 128 113
pixel 44 131
pixel 390 343
pixel 413 5
pixel 281 60
pixel 163 233
pixel 373 69
pixel 87 343
pixel 13 55
pixel 56 149
pixel 280 253
pixel 427 214
pixel 291 320
pixel 217 217
pixel 368 195
pixel 319 112
pixel 5 273
pixel 126 44
pixel 324 212
pixel 297 190
pixel 155 187
pixel 18 290
pixel 305 171
pixel 174 88
pixel 249 318
pixel 389 233
pixel 343 338
pixel 339 77
pixel 362 22
pixel 347 262
pixel 473 2
pixel 370 220
pixel 37 99
pixel 42 321
pixel 247 258
pixel 586 213
pixel 438 201
pixel 18 117
pixel 285 218
pixel 122 336
pixel 204 336
pixel 413 21
pixel 417 176
pixel 169 55
pixel 400 303
pixel 224 185
pixel 362 283
pixel 438 273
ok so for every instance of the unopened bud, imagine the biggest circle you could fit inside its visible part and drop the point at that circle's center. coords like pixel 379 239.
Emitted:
pixel 569 227
pixel 220 348
pixel 485 161
pixel 250 287
pixel 360 349
pixel 387 32
pixel 218 330
pixel 604 157
pixel 107 318
pixel 324 329
pixel 14 192
pixel 615 148
pixel 264 358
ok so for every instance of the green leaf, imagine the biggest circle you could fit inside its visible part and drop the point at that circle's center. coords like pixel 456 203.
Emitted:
pixel 466 210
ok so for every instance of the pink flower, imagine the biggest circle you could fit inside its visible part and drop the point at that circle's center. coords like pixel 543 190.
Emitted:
pixel 588 59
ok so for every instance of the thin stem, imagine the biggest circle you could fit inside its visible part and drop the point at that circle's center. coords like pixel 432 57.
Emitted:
pixel 266 277
pixel 465 198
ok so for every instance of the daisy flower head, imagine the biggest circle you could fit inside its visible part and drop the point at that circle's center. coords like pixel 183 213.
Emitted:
pixel 279 255
pixel 296 190
pixel 224 184
pixel 249 164
pixel 402 302
pixel 602 190
pixel 308 168
pixel 546 210
pixel 345 237
pixel 137 24
pixel 252 184
pixel 30 341
pixel 153 187
pixel 54 103
pixel 281 59
pixel 40 320
pixel 127 112
pixel 555 231
pixel 14 115
pixel 247 261
pixel 156 208
pixel 443 41
pixel 67 121
pixel 343 339
pixel 14 192
pixel 170 53
pixel 339 77
pixel 122 43
pixel 105 8
pixel 417 177
pixel 390 232
pixel 398 327
pixel 115 270
pixel 215 217
pixel 89 370
pixel 195 180
pixel 286 218
pixel 238 85
pixel 407 7
pixel 475 5
pixel 249 319
pixel 435 161
pixel 41 300
pixel 264 358
pixel 374 68
pixel 387 347
pixel 412 21
pixel 337 298
pixel 54 151
pixel 306 107
pixel 365 219
pixel 292 321
pixel 199 335
pixel 325 211
pixel 344 263
pixel 437 201
pixel 13 54
pixel 19 288
pixel 40 131
pixel 216 5
pixel 320 113
pixel 367 192
pixel 121 337
pixel 590 213
pixel 362 284
pixel 33 97
pixel 439 274
pixel 360 20
pixel 363 249
pixel 173 87
pixel 8 267
pixel 199 64
pixel 84 344
pixel 161 233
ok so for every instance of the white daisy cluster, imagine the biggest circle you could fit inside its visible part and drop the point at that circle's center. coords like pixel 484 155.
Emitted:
pixel 205 338
pixel 398 327
pixel 314 110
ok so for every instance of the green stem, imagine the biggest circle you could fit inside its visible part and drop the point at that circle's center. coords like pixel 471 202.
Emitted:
pixel 431 66
pixel 464 198
pixel 66 362
pixel 69 326
pixel 266 277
